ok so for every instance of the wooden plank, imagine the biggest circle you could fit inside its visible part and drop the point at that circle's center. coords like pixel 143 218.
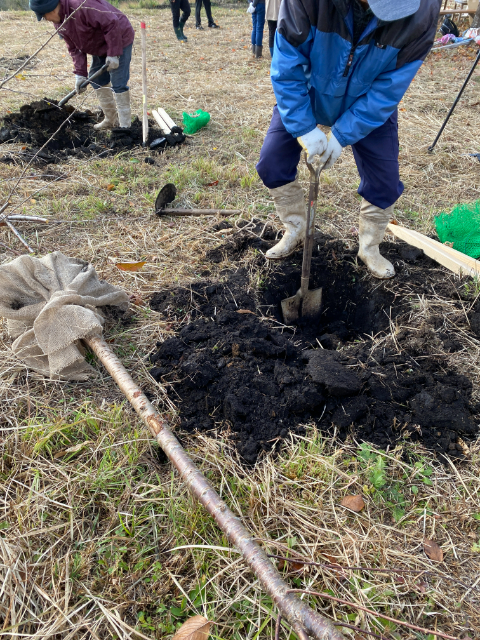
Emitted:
pixel 450 258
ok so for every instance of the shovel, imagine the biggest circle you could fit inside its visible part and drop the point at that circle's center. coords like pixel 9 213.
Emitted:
pixel 306 304
pixel 70 95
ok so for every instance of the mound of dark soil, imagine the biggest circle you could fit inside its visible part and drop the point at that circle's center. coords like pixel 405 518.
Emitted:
pixel 35 123
pixel 374 365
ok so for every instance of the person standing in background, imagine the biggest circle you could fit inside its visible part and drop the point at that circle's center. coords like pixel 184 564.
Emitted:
pixel 257 9
pixel 104 32
pixel 178 24
pixel 208 11
pixel 271 15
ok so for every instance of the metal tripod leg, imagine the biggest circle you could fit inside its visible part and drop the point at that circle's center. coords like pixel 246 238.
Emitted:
pixel 477 59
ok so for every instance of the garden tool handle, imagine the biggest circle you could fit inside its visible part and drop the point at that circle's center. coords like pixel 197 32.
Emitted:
pixel 70 95
pixel 309 233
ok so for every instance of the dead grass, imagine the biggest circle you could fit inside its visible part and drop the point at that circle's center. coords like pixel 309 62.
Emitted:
pixel 88 515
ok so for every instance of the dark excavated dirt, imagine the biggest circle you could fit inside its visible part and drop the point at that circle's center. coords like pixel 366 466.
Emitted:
pixel 376 365
pixel 35 123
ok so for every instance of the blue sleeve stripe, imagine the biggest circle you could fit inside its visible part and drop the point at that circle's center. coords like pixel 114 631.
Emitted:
pixel 290 74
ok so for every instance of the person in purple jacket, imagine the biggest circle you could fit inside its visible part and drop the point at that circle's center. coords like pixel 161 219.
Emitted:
pixel 97 28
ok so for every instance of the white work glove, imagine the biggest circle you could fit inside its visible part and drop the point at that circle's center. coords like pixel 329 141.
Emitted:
pixel 314 142
pixel 113 62
pixel 79 80
pixel 332 152
pixel 251 8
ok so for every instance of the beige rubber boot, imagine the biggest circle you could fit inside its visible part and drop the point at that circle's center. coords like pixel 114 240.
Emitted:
pixel 108 106
pixel 373 222
pixel 290 205
pixel 123 108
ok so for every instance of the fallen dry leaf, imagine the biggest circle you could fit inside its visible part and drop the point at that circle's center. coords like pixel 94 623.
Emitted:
pixel 291 565
pixel 130 266
pixel 245 311
pixel 354 503
pixel 110 187
pixel 235 350
pixel 195 628
pixel 212 184
pixel 433 551
pixel 74 449
pixel 421 586
pixel 137 300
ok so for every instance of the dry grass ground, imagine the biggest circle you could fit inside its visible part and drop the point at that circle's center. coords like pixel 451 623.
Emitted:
pixel 88 514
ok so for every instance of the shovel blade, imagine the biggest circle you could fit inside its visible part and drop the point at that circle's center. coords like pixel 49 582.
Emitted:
pixel 291 308
pixel 312 305
pixel 308 307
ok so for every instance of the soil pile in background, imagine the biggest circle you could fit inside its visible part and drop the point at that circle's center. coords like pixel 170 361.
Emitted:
pixel 375 365
pixel 35 123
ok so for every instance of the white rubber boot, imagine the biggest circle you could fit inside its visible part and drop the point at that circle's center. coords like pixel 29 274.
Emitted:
pixel 290 205
pixel 373 222
pixel 123 108
pixel 108 106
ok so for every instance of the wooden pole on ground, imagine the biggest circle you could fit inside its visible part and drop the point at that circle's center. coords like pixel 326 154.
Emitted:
pixel 143 31
pixel 450 258
pixel 305 621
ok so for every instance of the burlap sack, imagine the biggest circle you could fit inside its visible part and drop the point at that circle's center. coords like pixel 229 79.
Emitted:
pixel 51 303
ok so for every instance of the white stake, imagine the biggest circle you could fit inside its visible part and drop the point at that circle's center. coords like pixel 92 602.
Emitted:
pixel 144 83
pixel 166 118
pixel 164 128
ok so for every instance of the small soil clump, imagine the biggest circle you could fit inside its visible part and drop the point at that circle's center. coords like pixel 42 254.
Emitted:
pixel 374 366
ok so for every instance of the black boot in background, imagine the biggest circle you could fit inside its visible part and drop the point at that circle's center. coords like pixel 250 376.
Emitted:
pixel 258 51
pixel 179 34
pixel 180 26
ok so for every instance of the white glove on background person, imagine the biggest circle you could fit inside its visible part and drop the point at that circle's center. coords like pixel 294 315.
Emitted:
pixel 251 8
pixel 113 62
pixel 79 80
pixel 314 142
pixel 332 152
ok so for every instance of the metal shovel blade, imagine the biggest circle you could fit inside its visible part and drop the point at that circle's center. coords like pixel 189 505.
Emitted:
pixel 307 307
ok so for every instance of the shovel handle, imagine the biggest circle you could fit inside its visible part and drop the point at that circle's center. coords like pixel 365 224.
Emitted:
pixel 70 95
pixel 309 234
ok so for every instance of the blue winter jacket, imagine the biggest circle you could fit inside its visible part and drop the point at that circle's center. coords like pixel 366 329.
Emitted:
pixel 319 77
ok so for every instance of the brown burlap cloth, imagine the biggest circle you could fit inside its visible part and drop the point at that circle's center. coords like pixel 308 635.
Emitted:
pixel 51 303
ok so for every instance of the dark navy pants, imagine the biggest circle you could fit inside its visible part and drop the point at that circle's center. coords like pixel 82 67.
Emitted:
pixel 376 157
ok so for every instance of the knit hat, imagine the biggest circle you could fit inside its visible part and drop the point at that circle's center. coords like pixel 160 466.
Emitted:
pixel 41 7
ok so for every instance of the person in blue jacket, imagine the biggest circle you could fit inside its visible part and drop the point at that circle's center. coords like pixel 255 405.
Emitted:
pixel 345 64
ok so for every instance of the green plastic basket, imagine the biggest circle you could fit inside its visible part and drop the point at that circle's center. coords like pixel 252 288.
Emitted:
pixel 195 121
pixel 461 227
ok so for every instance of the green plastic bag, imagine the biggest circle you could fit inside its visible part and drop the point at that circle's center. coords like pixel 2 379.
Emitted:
pixel 462 228
pixel 196 121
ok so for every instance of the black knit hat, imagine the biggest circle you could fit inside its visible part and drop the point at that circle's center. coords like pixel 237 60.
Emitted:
pixel 41 7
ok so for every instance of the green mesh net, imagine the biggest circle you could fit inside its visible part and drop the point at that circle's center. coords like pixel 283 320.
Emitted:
pixel 462 228
pixel 195 121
